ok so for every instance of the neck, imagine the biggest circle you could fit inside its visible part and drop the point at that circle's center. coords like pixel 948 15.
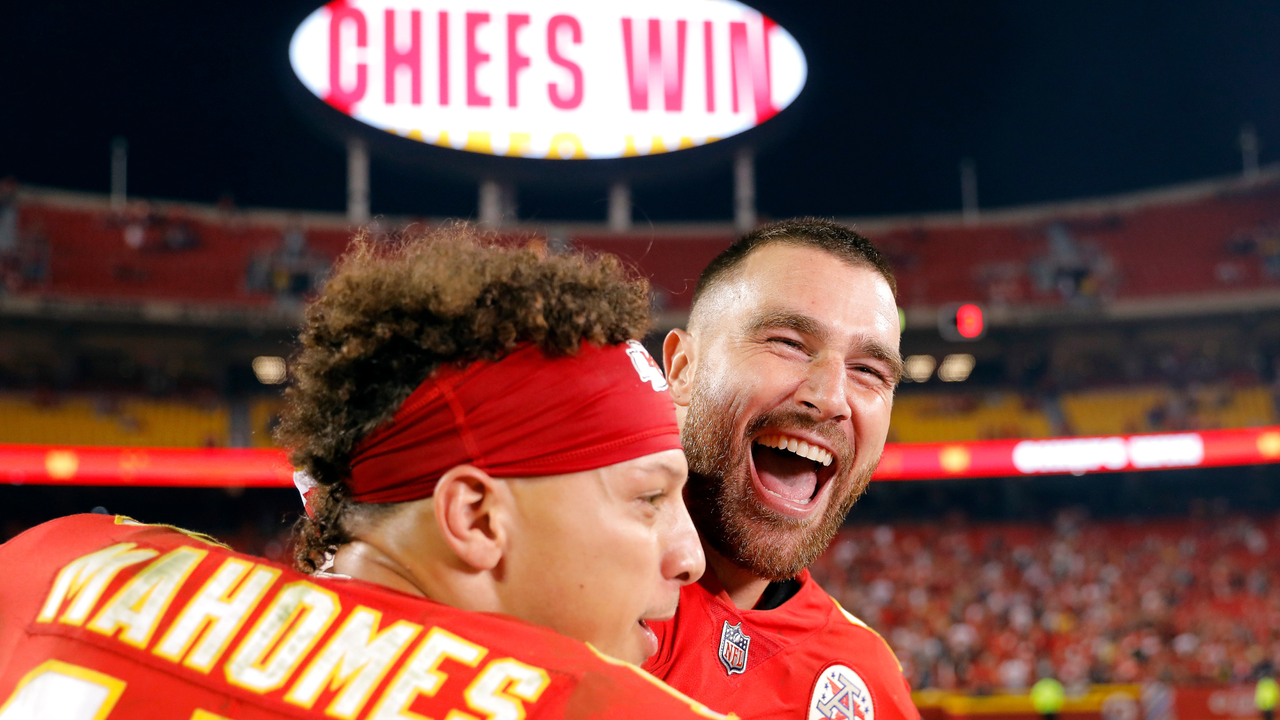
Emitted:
pixel 742 586
pixel 365 561
pixel 404 553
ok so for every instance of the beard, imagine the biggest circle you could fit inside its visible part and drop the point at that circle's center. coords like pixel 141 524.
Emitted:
pixel 724 506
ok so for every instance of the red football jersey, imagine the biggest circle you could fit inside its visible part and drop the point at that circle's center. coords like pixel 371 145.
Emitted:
pixel 802 660
pixel 104 618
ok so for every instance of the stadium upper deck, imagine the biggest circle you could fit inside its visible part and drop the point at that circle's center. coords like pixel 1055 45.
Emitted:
pixel 1199 243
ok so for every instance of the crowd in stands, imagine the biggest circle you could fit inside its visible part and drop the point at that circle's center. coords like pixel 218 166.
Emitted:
pixel 55 246
pixel 24 252
pixel 132 421
pixel 164 408
pixel 105 419
pixel 207 419
pixel 997 414
pixel 291 270
pixel 990 607
pixel 1227 237
pixel 1254 247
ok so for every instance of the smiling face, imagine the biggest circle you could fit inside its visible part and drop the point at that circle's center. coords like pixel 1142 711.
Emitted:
pixel 791 364
pixel 595 554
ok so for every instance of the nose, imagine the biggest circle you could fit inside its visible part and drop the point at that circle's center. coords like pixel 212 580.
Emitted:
pixel 682 557
pixel 825 389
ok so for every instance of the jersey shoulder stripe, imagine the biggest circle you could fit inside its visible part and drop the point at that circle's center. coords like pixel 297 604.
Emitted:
pixel 206 539
pixel 849 616
pixel 694 705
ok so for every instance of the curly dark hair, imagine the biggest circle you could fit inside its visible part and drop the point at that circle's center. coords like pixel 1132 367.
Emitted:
pixel 394 312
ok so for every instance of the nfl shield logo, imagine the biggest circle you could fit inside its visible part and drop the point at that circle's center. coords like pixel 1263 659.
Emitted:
pixel 733 648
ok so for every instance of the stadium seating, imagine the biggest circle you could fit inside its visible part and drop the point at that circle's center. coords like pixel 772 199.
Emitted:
pixel 1226 238
pixel 89 256
pixel 671 262
pixel 1150 409
pixel 917 417
pixel 939 417
pixel 108 421
pixel 946 416
pixel 263 415
pixel 1173 246
pixel 989 607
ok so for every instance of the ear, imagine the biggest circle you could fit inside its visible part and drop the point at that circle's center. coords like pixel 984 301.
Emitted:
pixel 679 360
pixel 470 512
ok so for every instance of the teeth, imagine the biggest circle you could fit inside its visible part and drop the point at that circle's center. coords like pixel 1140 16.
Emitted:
pixel 799 447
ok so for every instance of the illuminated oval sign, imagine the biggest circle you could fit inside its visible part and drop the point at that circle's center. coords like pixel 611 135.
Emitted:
pixel 560 79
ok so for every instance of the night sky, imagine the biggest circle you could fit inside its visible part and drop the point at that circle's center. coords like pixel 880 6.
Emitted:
pixel 1051 100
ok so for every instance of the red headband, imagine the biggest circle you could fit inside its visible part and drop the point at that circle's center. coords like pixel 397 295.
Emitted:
pixel 525 415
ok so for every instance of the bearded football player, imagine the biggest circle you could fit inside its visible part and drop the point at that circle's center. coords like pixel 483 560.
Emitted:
pixel 783 383
pixel 493 482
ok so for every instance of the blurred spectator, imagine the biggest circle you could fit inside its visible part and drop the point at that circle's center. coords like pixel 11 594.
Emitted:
pixel 291 270
pixel 1261 241
pixel 1228 272
pixel 135 223
pixel 180 234
pixel 293 242
pixel 993 606
pixel 1081 273
pixel 10 264
pixel 32 258
pixel 8 217
pixel 1002 282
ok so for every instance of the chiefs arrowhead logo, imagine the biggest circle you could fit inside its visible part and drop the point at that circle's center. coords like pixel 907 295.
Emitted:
pixel 840 694
pixel 645 366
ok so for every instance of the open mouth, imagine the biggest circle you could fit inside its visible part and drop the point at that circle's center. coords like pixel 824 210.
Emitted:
pixel 649 638
pixel 791 469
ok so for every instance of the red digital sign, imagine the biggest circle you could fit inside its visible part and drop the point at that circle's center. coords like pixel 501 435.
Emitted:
pixel 969 321
pixel 962 322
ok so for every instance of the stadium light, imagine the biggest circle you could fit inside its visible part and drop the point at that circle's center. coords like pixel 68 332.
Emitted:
pixel 919 368
pixel 962 322
pixel 270 370
pixel 956 368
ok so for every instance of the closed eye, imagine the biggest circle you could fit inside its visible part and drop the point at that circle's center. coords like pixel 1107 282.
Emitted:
pixel 874 372
pixel 788 342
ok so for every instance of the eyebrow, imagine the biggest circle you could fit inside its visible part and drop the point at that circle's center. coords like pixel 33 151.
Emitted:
pixel 791 320
pixel 802 323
